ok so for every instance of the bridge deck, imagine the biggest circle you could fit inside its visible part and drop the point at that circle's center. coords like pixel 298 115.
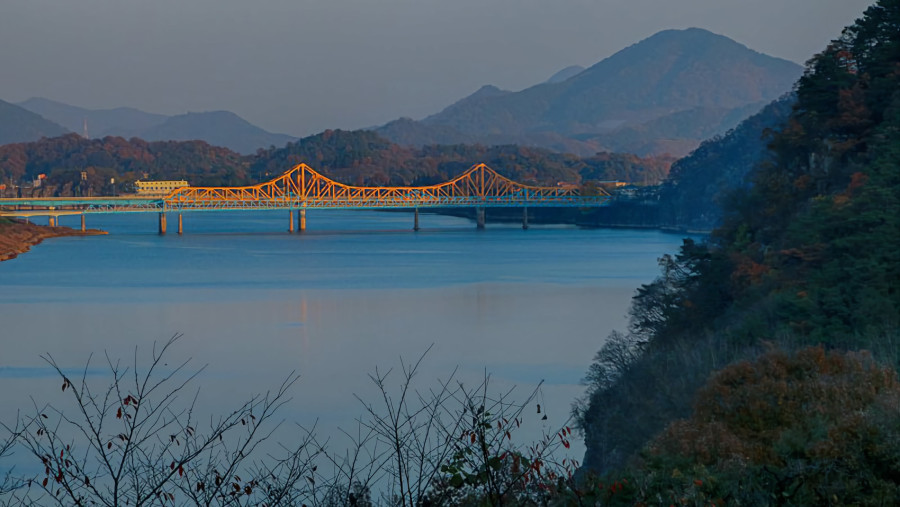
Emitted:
pixel 304 188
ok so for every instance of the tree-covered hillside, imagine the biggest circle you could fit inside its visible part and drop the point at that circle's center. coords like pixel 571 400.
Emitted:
pixel 63 159
pixel 365 158
pixel 809 254
pixel 699 185
pixel 356 158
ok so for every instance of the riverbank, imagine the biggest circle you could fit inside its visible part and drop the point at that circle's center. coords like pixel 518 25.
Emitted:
pixel 17 237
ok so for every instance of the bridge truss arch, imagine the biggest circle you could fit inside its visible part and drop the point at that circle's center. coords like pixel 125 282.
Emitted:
pixel 303 187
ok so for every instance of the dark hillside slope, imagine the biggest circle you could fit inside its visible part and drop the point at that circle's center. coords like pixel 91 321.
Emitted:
pixel 219 128
pixel 408 132
pixel 365 158
pixel 565 74
pixel 20 125
pixel 101 122
pixel 699 185
pixel 675 133
pixel 808 254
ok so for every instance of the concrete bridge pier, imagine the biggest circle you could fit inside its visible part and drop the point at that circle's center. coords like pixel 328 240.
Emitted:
pixel 83 228
pixel 479 218
pixel 162 223
pixel 180 225
pixel 51 221
pixel 301 220
pixel 416 221
pixel 291 221
pixel 525 218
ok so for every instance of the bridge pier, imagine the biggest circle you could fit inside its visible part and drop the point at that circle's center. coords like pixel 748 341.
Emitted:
pixel 301 220
pixel 162 224
pixel 291 221
pixel 416 221
pixel 479 218
pixel 83 228
pixel 180 225
pixel 525 218
pixel 51 221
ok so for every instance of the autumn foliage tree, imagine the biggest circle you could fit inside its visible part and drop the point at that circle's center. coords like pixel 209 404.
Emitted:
pixel 808 428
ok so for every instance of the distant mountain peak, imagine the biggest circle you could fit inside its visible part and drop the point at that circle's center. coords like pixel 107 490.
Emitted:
pixel 688 34
pixel 484 94
pixel 207 117
pixel 655 96
pixel 219 113
pixel 565 74
pixel 487 91
pixel 699 43
pixel 691 30
pixel 101 122
pixel 220 128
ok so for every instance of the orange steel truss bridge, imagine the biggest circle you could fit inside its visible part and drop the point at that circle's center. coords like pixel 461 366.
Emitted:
pixel 303 188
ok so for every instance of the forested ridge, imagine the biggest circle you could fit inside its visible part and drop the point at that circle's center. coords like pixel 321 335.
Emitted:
pixel 808 256
pixel 116 161
pixel 353 157
pixel 697 187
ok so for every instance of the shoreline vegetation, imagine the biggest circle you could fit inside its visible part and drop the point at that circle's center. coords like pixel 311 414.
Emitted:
pixel 18 236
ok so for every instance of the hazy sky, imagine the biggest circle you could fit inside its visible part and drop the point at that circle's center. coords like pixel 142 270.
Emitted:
pixel 301 66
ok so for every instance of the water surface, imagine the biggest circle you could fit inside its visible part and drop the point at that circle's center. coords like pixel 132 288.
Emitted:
pixel 357 290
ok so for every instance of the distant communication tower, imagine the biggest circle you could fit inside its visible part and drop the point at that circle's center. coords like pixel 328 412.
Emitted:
pixel 84 130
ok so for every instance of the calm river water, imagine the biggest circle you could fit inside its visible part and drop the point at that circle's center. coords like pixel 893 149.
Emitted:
pixel 356 291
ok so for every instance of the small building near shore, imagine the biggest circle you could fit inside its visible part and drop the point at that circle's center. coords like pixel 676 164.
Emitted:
pixel 158 187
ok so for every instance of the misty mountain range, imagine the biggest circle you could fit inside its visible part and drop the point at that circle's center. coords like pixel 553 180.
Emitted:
pixel 19 125
pixel 664 94
pixel 219 128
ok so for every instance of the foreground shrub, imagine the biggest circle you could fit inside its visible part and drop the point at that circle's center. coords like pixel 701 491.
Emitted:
pixel 134 436
pixel 809 428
